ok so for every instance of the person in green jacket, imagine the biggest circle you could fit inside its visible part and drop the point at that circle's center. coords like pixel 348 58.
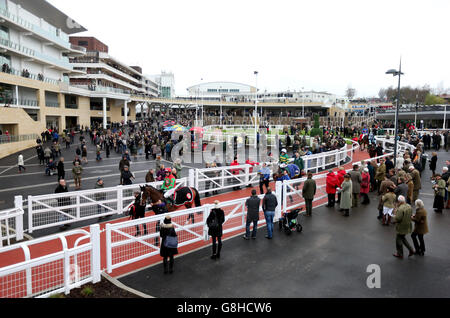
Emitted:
pixel 403 226
pixel 299 162
pixel 439 194
pixel 346 195
pixel 284 158
pixel 308 192
pixel 76 171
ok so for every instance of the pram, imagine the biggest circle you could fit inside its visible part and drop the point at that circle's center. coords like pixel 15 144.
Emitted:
pixel 289 222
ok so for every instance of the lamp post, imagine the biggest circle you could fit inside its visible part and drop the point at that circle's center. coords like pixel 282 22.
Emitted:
pixel 399 74
pixel 256 108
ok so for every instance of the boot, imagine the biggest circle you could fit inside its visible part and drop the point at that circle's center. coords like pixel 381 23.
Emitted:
pixel 383 220
pixel 347 213
pixel 219 248
pixel 213 256
pixel 388 220
pixel 166 270
pixel 171 266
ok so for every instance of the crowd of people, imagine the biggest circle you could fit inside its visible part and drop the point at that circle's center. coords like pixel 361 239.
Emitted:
pixel 396 184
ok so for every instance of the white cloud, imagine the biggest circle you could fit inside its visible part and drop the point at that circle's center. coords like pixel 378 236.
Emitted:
pixel 322 45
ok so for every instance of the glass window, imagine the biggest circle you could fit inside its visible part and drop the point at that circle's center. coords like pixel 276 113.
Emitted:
pixel 5 59
pixel 4 32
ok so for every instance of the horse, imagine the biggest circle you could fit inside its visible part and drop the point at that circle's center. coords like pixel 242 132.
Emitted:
pixel 184 196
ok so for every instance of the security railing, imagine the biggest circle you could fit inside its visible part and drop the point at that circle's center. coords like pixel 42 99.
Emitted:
pixel 52 210
pixel 4 139
pixel 37 77
pixel 70 260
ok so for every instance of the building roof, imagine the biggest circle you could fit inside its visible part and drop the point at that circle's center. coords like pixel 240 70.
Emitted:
pixel 52 15
pixel 219 82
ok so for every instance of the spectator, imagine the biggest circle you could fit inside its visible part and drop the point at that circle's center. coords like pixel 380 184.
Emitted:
pixel 264 177
pixel 403 226
pixel 252 205
pixel 356 185
pixel 269 205
pixel 433 162
pixel 388 200
pixel 420 227
pixel 331 185
pixel 215 221
pixel 76 171
pixel 139 212
pixel 308 192
pixel 415 175
pixel 126 176
pixel 60 168
pixel 150 176
pixel 21 163
pixel 63 201
pixel 439 194
pixel 365 186
pixel 346 195
pixel 169 244
pixel 100 196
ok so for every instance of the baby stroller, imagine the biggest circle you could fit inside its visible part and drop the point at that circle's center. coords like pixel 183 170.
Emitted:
pixel 289 222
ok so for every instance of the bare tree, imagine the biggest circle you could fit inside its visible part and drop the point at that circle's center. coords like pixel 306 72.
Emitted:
pixel 350 92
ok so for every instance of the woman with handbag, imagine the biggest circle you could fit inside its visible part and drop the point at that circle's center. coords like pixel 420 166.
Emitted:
pixel 215 220
pixel 169 244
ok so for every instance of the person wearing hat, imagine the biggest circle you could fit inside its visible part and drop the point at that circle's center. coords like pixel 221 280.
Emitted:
pixel 331 185
pixel 380 175
pixel 169 184
pixel 284 158
pixel 214 222
pixel 100 196
pixel 169 244
pixel 439 194
pixel 365 186
pixel 415 175
pixel 126 176
pixel 356 185
pixel 346 195
pixel 123 162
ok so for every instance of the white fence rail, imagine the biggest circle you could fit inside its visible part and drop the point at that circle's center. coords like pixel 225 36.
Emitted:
pixel 51 210
pixel 56 272
pixel 136 240
pixel 11 223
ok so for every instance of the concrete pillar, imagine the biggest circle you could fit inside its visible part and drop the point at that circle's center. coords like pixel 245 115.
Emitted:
pixel 125 111
pixel 105 119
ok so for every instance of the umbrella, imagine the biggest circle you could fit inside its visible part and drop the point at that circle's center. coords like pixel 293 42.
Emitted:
pixel 197 129
pixel 169 123
pixel 175 128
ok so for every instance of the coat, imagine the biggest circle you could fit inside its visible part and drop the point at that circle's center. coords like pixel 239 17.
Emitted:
pixel 403 223
pixel 270 202
pixel 252 205
pixel 389 200
pixel 220 217
pixel 332 183
pixel 340 177
pixel 416 179
pixel 433 162
pixel 365 183
pixel 356 181
pixel 381 172
pixel 167 230
pixel 346 195
pixel 309 189
pixel 420 221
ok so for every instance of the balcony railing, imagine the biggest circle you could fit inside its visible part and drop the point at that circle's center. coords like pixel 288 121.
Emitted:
pixel 62 40
pixel 412 109
pixel 72 106
pixel 52 104
pixel 4 139
pixel 64 62
pixel 21 102
pixel 78 48
pixel 38 77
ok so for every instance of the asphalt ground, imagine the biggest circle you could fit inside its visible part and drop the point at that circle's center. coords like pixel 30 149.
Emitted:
pixel 329 258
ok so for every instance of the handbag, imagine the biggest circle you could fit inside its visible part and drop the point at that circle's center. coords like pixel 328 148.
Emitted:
pixel 171 242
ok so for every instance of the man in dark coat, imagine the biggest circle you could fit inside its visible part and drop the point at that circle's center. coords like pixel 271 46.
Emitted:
pixel 308 192
pixel 60 168
pixel 252 205
pixel 62 188
pixel 269 205
pixel 215 220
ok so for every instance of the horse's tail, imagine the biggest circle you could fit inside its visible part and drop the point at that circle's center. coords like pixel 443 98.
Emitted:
pixel 196 197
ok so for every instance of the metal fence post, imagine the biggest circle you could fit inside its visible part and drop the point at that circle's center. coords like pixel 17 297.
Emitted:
pixel 284 191
pixel 206 212
pixel 119 199
pixel 78 207
pixel 278 190
pixel 108 248
pixel 30 214
pixel 95 253
pixel 18 203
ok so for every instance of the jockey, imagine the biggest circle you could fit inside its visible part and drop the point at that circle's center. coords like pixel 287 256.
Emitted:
pixel 169 185
pixel 284 158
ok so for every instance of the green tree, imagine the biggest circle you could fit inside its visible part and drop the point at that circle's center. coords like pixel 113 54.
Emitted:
pixel 316 130
pixel 434 100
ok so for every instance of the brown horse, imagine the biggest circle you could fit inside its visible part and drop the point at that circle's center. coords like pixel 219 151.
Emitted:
pixel 184 196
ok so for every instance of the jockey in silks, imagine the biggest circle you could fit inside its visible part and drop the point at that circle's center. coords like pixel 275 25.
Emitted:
pixel 284 158
pixel 168 187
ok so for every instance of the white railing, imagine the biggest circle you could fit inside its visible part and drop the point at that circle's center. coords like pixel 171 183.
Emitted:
pixel 69 266
pixel 52 210
pixel 137 240
pixel 11 223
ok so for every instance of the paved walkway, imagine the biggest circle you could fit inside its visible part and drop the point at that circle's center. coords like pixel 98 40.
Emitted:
pixel 328 259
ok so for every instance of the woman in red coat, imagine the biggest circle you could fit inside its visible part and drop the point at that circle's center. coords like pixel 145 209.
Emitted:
pixel 340 178
pixel 365 186
pixel 332 184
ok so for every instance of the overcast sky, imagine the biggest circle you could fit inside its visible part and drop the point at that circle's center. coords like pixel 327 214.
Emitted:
pixel 321 44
